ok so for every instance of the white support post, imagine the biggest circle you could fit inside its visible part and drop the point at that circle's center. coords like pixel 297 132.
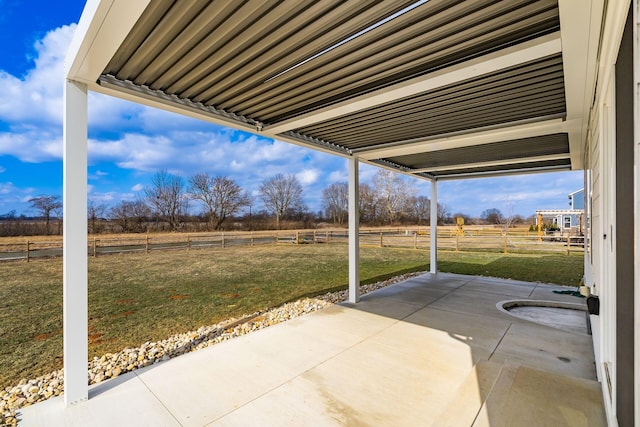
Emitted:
pixel 636 124
pixel 354 231
pixel 433 264
pixel 75 311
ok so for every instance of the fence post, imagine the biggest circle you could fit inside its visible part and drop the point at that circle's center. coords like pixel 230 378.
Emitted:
pixel 252 238
pixel 28 257
pixel 146 247
pixel 222 239
pixel 315 237
pixel 568 243
pixel 415 240
pixel 457 242
pixel 297 237
pixel 188 242
pixel 505 243
pixel 381 243
pixel 94 247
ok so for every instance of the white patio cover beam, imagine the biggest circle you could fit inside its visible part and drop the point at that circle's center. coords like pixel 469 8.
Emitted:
pixel 75 275
pixel 580 22
pixel 354 231
pixel 102 28
pixel 506 132
pixel 493 163
pixel 514 55
pixel 433 262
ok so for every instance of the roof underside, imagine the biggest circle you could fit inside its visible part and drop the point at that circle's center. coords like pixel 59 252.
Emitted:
pixel 385 81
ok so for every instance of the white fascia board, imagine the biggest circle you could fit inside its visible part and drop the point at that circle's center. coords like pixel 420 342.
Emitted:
pixel 493 163
pixel 103 27
pixel 185 110
pixel 614 23
pixel 580 22
pixel 528 51
pixel 492 174
pixel 505 133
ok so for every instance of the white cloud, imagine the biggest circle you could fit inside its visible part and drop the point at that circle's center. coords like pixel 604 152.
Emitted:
pixel 37 97
pixel 308 176
pixel 103 198
pixel 32 146
pixel 11 194
pixel 137 187
pixel 7 188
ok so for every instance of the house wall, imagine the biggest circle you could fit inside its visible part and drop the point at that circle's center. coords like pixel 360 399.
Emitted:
pixel 610 254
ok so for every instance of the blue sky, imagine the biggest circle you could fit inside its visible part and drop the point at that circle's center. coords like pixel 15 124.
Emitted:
pixel 128 143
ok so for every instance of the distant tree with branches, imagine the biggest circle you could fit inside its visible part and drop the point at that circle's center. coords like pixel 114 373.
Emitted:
pixel 419 209
pixel 222 197
pixel 95 211
pixel 492 216
pixel 369 204
pixel 167 197
pixel 394 193
pixel 282 195
pixel 443 214
pixel 335 200
pixel 131 216
pixel 45 205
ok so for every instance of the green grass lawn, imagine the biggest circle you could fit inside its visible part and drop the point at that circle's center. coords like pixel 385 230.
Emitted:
pixel 135 298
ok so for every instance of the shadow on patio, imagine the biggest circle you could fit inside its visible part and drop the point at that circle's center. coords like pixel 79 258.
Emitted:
pixel 427 351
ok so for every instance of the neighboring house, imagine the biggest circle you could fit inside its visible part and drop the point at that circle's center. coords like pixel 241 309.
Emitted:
pixel 569 221
pixel 576 199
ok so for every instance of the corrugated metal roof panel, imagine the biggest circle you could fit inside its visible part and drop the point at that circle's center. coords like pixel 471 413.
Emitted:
pixel 528 91
pixel 264 59
pixel 497 151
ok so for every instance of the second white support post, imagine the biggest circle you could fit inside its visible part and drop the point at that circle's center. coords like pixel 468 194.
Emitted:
pixel 433 264
pixel 354 231
pixel 74 255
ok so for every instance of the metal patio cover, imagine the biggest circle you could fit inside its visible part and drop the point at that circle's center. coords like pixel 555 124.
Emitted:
pixel 438 89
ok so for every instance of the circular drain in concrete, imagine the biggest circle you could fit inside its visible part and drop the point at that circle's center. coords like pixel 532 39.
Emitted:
pixel 560 315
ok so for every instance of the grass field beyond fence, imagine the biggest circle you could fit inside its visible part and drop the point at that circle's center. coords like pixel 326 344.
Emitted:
pixel 135 298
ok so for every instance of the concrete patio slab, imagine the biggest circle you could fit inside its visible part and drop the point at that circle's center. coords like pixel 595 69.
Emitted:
pixel 523 396
pixel 548 349
pixel 433 350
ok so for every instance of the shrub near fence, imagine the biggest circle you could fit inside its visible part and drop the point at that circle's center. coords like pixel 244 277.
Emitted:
pixel 474 239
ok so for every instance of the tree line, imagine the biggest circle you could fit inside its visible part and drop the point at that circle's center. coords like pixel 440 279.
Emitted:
pixel 169 203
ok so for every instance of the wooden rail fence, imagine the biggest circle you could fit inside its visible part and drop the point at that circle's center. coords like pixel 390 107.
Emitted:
pixel 478 239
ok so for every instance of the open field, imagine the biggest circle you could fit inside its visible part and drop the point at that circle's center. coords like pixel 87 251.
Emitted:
pixel 135 298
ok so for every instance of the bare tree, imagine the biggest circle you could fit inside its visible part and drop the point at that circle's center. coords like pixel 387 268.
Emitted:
pixel 166 196
pixel 492 216
pixel 443 213
pixel 369 204
pixel 282 195
pixel 335 200
pixel 394 193
pixel 419 209
pixel 95 211
pixel 221 197
pixel 130 215
pixel 45 205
